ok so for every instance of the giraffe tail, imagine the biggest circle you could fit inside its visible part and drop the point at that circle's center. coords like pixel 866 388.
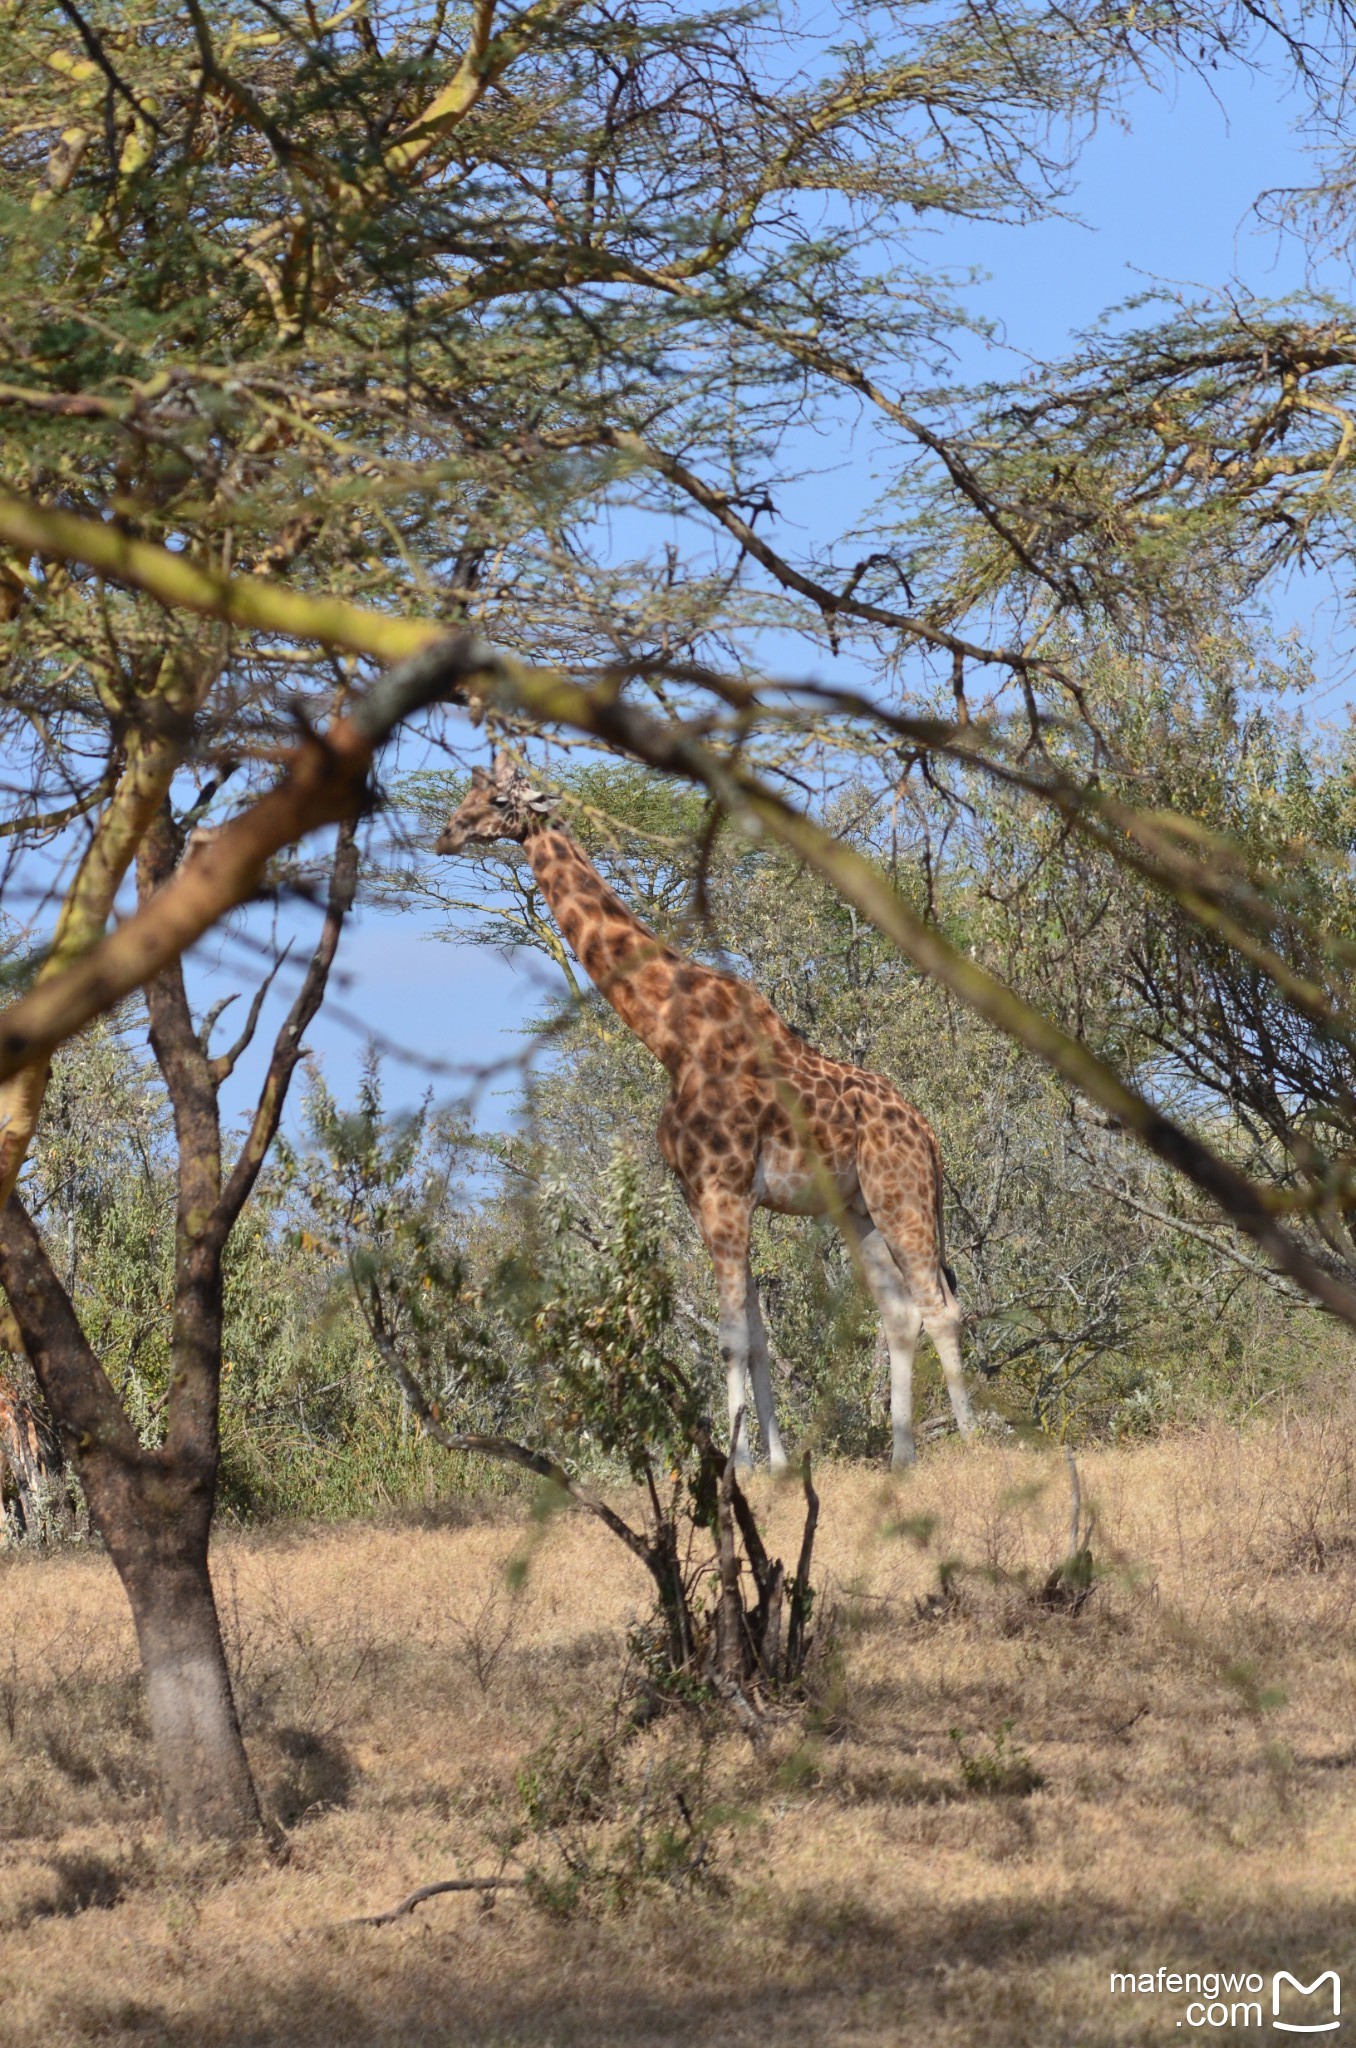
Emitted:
pixel 947 1272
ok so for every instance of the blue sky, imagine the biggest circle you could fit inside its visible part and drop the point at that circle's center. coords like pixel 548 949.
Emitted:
pixel 1167 199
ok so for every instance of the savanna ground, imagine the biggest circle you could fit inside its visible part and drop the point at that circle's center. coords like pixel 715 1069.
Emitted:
pixel 1167 1777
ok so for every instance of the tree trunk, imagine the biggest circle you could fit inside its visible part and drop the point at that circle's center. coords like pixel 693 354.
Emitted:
pixel 153 1506
pixel 731 1641
pixel 153 1510
pixel 205 1784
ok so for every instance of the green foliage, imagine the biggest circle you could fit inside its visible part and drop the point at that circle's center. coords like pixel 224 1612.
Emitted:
pixel 380 1204
pixel 602 1331
pixel 569 1332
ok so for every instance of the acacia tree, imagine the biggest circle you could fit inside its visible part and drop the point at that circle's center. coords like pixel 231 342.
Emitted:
pixel 405 310
pixel 394 306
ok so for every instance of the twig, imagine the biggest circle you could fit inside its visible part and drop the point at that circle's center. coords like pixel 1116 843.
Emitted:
pixel 99 56
pixel 800 1591
pixel 729 1657
pixel 1071 1582
pixel 1155 1214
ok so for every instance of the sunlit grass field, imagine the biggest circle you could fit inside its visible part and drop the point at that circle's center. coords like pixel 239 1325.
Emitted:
pixel 984 1807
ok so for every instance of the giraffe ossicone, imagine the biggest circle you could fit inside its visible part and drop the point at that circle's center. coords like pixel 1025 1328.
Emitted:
pixel 756 1118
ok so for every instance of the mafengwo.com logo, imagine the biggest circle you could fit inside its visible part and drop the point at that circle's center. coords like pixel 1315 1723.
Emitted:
pixel 1216 2000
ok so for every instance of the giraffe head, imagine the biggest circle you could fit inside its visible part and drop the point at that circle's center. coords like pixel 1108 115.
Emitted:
pixel 500 804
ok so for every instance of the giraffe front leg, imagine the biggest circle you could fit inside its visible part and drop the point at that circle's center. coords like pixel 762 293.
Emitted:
pixel 761 1369
pixel 723 1220
pixel 734 1351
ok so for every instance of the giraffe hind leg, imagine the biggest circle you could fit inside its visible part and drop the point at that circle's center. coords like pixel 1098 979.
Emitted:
pixel 941 1314
pixel 901 1321
pixel 944 1329
pixel 909 1229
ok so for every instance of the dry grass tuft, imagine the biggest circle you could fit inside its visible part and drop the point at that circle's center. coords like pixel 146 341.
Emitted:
pixel 985 1807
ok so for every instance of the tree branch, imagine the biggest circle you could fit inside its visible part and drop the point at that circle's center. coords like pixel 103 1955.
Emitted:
pixel 1202 1236
pixel 222 1065
pixel 287 1046
pixel 75 1386
pixel 181 584
pixel 154 748
pixel 433 1891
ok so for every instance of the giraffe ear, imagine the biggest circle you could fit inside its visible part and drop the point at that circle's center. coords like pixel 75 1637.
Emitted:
pixel 542 804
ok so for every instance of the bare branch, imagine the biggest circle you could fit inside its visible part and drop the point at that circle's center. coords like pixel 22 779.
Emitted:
pixel 223 1063
pixel 433 1891
pixel 287 1046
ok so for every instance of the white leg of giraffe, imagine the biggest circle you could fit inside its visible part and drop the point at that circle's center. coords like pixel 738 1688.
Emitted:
pixel 943 1325
pixel 734 1350
pixel 728 1248
pixel 724 1221
pixel 901 1319
pixel 761 1369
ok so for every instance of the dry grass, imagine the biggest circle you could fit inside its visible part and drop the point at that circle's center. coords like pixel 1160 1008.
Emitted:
pixel 878 1887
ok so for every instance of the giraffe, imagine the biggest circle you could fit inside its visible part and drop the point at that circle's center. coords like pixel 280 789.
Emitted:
pixel 756 1118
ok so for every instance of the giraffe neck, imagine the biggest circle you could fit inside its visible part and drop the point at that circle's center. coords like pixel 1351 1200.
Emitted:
pixel 629 965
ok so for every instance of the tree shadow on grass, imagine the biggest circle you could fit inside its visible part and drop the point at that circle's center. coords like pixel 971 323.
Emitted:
pixel 1020 1976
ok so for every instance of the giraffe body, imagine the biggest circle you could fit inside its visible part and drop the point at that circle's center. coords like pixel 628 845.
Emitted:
pixel 756 1118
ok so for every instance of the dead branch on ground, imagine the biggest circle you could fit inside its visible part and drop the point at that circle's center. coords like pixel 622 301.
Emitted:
pixel 433 1891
